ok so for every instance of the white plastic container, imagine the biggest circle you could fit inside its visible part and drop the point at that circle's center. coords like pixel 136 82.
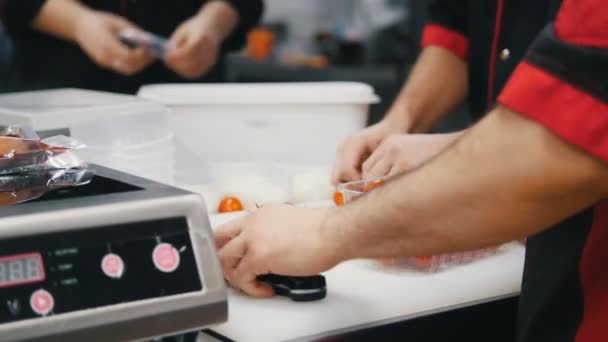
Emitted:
pixel 284 122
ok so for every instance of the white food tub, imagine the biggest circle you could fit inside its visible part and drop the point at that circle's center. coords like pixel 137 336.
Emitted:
pixel 274 122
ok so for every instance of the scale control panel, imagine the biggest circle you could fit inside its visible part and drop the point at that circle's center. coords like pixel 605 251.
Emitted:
pixel 63 272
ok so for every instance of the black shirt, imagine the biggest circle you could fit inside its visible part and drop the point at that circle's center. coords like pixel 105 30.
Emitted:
pixel 42 61
pixel 488 30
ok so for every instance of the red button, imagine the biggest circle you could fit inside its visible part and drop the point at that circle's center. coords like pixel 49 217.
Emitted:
pixel 42 302
pixel 113 266
pixel 165 257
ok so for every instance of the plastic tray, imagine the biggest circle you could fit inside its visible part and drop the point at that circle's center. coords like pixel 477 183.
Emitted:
pixel 433 263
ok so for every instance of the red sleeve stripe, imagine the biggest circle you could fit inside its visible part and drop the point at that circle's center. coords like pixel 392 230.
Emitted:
pixel 494 53
pixel 583 22
pixel 568 112
pixel 437 35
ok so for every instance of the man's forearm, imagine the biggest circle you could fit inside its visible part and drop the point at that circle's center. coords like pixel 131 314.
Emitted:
pixel 437 84
pixel 60 18
pixel 221 17
pixel 506 179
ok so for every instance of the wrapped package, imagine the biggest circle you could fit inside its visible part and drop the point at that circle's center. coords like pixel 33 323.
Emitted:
pixel 31 167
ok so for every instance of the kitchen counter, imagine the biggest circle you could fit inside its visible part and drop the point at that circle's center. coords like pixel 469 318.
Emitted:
pixel 363 295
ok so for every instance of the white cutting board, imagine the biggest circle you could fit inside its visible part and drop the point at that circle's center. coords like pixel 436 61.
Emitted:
pixel 360 293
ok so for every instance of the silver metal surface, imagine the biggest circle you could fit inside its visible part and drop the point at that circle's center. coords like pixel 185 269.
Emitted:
pixel 129 321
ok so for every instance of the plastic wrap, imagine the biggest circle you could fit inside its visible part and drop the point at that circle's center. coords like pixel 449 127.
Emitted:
pixel 156 45
pixel 31 167
pixel 351 191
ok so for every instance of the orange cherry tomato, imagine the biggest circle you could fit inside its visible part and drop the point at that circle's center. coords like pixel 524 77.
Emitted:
pixel 339 198
pixel 229 205
pixel 372 185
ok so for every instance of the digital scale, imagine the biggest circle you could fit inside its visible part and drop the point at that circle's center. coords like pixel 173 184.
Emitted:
pixel 122 258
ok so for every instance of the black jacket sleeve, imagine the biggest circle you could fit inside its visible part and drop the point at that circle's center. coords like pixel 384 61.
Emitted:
pixel 450 14
pixel 250 12
pixel 17 15
pixel 447 26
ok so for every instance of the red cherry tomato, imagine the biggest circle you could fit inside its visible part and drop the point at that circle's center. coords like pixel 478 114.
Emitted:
pixel 229 205
pixel 423 262
pixel 339 198
pixel 372 185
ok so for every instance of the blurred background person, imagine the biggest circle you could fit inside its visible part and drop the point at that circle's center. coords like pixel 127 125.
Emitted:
pixel 70 43
pixel 5 52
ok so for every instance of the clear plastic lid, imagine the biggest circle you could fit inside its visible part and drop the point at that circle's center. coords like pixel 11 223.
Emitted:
pixel 44 101
pixel 62 108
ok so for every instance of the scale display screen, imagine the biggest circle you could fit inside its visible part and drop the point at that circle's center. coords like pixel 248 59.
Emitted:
pixel 21 269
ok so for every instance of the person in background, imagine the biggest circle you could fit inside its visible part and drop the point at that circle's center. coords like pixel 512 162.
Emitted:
pixel 535 167
pixel 5 52
pixel 470 49
pixel 70 43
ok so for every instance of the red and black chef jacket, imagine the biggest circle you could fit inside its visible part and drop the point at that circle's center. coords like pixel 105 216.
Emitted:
pixel 546 60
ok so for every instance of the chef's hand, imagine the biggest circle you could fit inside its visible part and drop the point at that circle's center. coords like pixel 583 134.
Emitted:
pixel 193 48
pixel 355 150
pixel 403 152
pixel 97 33
pixel 279 239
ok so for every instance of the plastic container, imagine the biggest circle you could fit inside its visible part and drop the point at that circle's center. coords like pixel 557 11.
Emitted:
pixel 139 142
pixel 287 122
pixel 127 127
pixel 123 132
pixel 435 263
pixel 353 190
pixel 154 160
pixel 260 183
pixel 59 109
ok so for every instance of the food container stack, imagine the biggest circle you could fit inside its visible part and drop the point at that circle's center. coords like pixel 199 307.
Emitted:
pixel 139 142
pixel 121 131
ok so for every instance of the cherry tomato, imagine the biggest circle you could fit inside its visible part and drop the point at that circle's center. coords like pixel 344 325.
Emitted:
pixel 230 204
pixel 372 185
pixel 339 198
pixel 423 262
